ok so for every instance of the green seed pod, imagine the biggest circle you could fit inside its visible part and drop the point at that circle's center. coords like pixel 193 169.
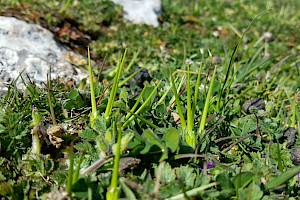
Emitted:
pixel 109 137
pixel 36 117
pixel 124 142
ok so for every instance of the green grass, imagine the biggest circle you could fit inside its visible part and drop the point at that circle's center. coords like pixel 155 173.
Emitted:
pixel 184 134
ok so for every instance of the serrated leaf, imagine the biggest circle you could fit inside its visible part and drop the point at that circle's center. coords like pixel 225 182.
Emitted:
pixel 252 192
pixel 124 95
pixel 88 135
pixel 83 146
pixel 100 124
pixel 171 138
pixel 170 190
pixel 167 174
pixel 186 175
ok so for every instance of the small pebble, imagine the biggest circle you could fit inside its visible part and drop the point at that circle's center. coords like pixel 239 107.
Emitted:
pixel 290 135
pixel 268 36
pixel 141 77
pixel 295 154
pixel 255 103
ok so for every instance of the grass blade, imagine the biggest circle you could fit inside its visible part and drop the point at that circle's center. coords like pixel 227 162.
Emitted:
pixel 179 110
pixel 94 113
pixel 207 101
pixel 282 178
pixel 190 137
pixel 192 192
pixel 114 87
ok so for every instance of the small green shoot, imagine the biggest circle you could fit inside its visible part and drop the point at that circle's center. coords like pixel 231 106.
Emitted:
pixel 94 114
pixel 179 109
pixel 115 86
pixel 190 137
pixel 49 100
pixel 207 102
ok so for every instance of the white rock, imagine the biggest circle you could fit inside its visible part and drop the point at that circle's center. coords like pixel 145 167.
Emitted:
pixel 29 49
pixel 141 11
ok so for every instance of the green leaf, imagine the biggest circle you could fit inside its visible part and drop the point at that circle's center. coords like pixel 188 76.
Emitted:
pixel 224 181
pixel 148 92
pixel 171 138
pixel 242 179
pixel 2 115
pixel 75 100
pixel 128 192
pixel 84 146
pixel 252 192
pixel 88 135
pixel 100 124
pixel 80 188
pixel 186 175
pixel 167 174
pixel 124 95
pixel 2 128
pixel 171 189
pixel 73 94
pixel 119 104
pixel 151 140
pixel 282 178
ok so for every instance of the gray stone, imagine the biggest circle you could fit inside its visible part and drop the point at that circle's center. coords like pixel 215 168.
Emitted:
pixel 30 51
pixel 141 11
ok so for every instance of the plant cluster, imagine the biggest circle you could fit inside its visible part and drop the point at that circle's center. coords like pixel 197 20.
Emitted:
pixel 188 127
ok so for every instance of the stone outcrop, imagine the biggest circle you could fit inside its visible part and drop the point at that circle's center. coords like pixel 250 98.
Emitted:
pixel 141 11
pixel 30 51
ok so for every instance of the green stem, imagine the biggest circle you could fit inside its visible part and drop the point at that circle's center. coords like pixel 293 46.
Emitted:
pixel 50 102
pixel 77 172
pixel 36 132
pixel 113 191
pixel 70 171
pixel 36 145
